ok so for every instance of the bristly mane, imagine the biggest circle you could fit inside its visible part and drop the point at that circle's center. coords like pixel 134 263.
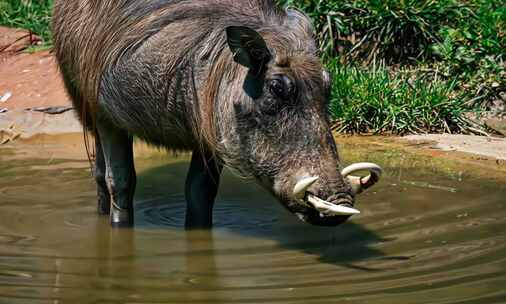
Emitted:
pixel 100 32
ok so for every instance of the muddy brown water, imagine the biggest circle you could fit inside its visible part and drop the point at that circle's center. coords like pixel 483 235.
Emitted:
pixel 430 232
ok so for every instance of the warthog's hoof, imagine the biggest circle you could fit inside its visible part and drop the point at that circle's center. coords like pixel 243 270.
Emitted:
pixel 121 218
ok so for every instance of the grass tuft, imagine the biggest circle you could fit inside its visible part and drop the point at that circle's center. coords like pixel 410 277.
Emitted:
pixel 33 15
pixel 375 100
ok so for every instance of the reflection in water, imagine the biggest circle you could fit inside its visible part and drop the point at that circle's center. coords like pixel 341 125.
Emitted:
pixel 415 242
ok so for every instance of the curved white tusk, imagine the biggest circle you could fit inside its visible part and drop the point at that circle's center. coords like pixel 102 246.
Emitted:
pixel 371 167
pixel 329 208
pixel 299 191
pixel 361 183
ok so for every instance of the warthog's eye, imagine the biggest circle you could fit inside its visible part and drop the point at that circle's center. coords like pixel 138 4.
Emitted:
pixel 282 87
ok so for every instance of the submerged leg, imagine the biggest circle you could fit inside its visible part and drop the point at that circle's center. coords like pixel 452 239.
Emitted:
pixel 201 189
pixel 104 199
pixel 120 172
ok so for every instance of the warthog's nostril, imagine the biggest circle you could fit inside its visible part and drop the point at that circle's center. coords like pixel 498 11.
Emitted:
pixel 341 199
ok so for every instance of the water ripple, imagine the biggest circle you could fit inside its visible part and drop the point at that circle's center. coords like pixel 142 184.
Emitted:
pixel 412 244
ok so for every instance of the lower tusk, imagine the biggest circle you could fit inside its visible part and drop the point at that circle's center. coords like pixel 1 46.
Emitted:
pixel 329 208
pixel 299 191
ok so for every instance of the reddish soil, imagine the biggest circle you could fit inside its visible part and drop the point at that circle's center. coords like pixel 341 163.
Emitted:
pixel 15 40
pixel 32 79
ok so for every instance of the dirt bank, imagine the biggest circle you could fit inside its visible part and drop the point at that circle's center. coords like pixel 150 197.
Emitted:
pixel 32 98
pixel 488 147
pixel 27 80
pixel 21 124
pixel 397 149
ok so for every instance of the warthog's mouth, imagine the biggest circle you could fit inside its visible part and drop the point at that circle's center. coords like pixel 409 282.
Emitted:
pixel 314 217
pixel 317 211
pixel 342 207
pixel 341 204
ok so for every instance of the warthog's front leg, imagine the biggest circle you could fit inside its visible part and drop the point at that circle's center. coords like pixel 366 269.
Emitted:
pixel 201 189
pixel 120 172
pixel 104 199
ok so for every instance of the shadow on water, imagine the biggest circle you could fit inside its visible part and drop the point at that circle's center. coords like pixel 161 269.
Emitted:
pixel 246 209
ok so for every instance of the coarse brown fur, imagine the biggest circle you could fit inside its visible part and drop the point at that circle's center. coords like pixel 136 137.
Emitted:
pixel 90 36
pixel 93 36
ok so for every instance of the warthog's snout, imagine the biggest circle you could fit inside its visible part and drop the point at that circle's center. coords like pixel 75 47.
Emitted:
pixel 335 209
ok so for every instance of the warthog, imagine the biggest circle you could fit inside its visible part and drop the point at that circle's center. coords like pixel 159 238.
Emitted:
pixel 239 83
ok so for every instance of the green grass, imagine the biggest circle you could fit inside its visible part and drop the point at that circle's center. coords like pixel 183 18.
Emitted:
pixel 474 51
pixel 375 100
pixel 455 50
pixel 400 31
pixel 31 15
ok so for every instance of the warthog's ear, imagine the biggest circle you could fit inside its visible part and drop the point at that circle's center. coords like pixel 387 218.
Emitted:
pixel 250 50
pixel 248 47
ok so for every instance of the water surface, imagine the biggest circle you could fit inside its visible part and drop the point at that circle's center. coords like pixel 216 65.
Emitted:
pixel 428 233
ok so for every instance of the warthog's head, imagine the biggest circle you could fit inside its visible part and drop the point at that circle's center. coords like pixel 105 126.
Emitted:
pixel 273 122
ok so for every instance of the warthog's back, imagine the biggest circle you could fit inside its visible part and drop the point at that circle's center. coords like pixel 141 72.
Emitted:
pixel 89 35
